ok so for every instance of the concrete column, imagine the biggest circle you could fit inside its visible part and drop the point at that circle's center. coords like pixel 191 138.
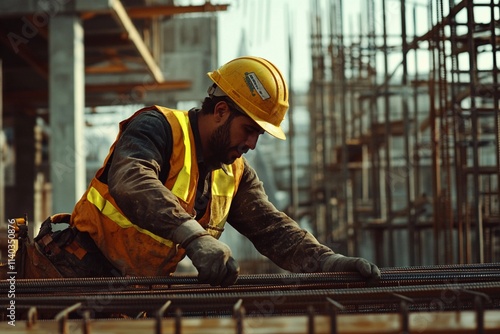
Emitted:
pixel 66 105
pixel 25 152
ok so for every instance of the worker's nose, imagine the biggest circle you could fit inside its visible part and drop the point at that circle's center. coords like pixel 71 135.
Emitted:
pixel 251 141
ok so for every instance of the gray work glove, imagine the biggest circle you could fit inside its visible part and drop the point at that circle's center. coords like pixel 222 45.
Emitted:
pixel 211 257
pixel 338 262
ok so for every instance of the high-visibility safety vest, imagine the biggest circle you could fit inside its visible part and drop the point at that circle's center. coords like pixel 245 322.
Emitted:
pixel 133 250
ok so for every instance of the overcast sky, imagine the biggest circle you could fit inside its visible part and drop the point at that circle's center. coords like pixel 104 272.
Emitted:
pixel 262 28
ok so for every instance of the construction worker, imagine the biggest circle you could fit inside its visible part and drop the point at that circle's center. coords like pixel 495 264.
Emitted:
pixel 172 179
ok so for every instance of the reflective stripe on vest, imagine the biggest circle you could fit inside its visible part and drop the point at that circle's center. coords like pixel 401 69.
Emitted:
pixel 109 210
pixel 223 184
pixel 181 185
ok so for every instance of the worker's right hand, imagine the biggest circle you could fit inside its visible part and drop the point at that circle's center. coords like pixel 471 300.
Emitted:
pixel 337 262
pixel 213 260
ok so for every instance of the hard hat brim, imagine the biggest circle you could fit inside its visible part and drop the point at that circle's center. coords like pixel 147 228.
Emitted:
pixel 273 130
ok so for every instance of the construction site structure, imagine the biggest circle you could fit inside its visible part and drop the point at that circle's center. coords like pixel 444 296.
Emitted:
pixel 404 143
pixel 405 123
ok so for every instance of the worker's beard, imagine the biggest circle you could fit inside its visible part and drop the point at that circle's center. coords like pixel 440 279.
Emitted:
pixel 220 143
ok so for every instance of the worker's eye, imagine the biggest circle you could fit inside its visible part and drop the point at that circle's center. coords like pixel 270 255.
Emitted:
pixel 252 131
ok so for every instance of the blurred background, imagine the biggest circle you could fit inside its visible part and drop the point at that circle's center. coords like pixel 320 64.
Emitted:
pixel 393 149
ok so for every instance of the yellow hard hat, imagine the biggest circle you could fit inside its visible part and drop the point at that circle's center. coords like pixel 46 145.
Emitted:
pixel 258 88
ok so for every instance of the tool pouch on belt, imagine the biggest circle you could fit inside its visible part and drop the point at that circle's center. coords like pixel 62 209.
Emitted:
pixel 37 264
pixel 45 237
pixel 53 245
pixel 29 261
pixel 72 252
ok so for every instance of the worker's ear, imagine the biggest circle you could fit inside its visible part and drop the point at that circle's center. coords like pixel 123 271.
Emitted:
pixel 221 111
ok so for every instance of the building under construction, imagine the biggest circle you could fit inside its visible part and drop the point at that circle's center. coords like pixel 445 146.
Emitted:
pixel 405 125
pixel 392 154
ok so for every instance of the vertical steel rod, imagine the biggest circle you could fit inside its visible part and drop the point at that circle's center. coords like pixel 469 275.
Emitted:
pixel 478 303
pixel 32 317
pixel 86 322
pixel 310 320
pixel 178 321
pixel 62 317
pixel 159 316
pixel 335 306
pixel 404 312
pixel 238 314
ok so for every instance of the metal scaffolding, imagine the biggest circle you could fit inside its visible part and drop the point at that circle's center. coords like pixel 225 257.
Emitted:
pixel 405 124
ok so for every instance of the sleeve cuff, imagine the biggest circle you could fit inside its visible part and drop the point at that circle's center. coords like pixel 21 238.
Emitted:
pixel 187 232
pixel 330 261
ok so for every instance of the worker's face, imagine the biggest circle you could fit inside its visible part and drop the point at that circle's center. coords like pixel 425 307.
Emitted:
pixel 238 134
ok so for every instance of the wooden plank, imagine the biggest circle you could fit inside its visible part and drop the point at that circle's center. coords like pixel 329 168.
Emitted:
pixel 121 16
pixel 155 11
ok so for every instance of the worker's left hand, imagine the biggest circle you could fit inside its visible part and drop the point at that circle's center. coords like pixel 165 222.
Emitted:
pixel 210 256
pixel 338 262
pixel 213 260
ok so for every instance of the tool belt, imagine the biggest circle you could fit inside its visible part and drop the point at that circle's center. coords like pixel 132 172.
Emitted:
pixel 29 262
pixel 73 253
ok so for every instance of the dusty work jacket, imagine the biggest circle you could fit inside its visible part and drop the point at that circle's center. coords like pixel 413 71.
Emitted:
pixel 144 158
pixel 133 249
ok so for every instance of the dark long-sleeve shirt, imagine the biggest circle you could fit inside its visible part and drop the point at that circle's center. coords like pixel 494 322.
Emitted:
pixel 136 176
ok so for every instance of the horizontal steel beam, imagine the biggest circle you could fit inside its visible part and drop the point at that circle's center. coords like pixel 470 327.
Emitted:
pixel 154 11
